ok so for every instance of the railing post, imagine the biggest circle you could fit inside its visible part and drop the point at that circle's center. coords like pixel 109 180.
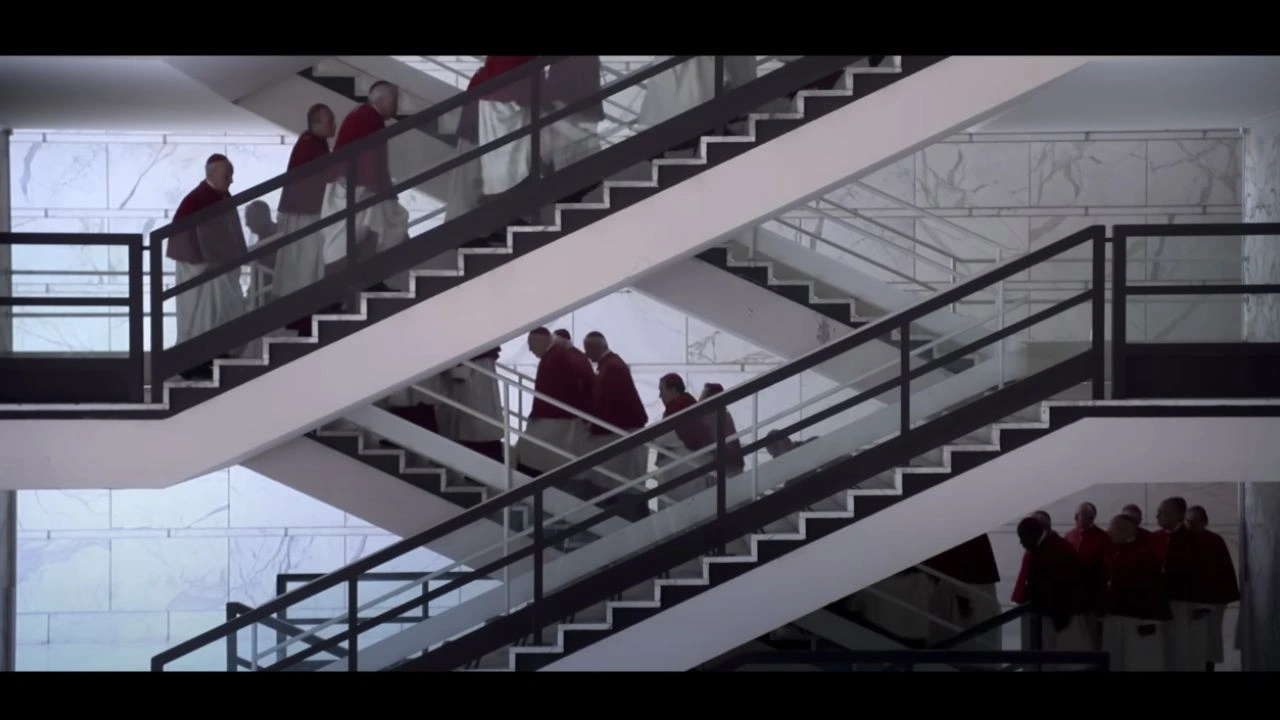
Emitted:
pixel 1099 347
pixel 1119 323
pixel 904 359
pixel 159 371
pixel 718 63
pixel 538 540
pixel 353 619
pixel 350 222
pixel 535 125
pixel 722 468
pixel 138 370
pixel 233 649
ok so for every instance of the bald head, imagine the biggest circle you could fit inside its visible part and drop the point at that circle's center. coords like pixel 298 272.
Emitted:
pixel 1133 511
pixel 1171 513
pixel 595 345
pixel 385 98
pixel 1122 529
pixel 1043 518
pixel 257 215
pixel 562 337
pixel 539 341
pixel 1030 532
pixel 320 121
pixel 1197 518
pixel 1086 515
pixel 219 173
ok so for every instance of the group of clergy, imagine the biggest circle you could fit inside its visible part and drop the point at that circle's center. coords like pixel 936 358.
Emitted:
pixel 1153 600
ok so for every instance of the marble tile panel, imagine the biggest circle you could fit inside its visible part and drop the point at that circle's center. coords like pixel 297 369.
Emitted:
pixel 1220 501
pixel 97 657
pixel 64 575
pixel 640 329
pixel 108 628
pixel 712 346
pixel 156 177
pixel 258 501
pixel 884 253
pixel 61 175
pixel 31 629
pixel 169 574
pixel 1193 172
pixel 1088 173
pixel 255 562
pixel 64 509
pixel 198 503
pixel 896 179
pixel 957 246
pixel 1173 259
pixel 973 175
pixel 90 259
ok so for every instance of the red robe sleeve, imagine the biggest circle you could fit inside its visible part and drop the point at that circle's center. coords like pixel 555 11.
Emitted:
pixel 695 431
pixel 1054 575
pixel 617 401
pixel 193 245
pixel 497 65
pixel 373 168
pixel 572 80
pixel 1091 546
pixel 305 195
pixel 1216 582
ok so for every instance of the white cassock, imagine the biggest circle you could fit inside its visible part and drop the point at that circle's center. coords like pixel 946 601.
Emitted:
pixel 945 603
pixel 388 220
pixel 569 140
pixel 1186 637
pixel 690 84
pixel 670 468
pixel 503 168
pixel 1134 645
pixel 478 392
pixel 1075 637
pixel 301 262
pixel 908 617
pixel 209 305
pixel 631 465
pixel 1214 643
pixel 564 434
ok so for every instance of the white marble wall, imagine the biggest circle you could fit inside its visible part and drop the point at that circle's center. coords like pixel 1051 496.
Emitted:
pixel 108 577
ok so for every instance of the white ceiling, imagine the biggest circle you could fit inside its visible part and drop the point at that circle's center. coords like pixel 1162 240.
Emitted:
pixel 151 94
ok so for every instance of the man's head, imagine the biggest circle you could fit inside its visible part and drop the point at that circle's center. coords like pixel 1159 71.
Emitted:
pixel 219 172
pixel 1122 529
pixel 776 443
pixel 1086 514
pixel 320 121
pixel 1030 532
pixel 257 216
pixel 670 387
pixel 1197 518
pixel 1043 518
pixel 539 341
pixel 385 98
pixel 1171 513
pixel 562 337
pixel 1134 512
pixel 595 346
pixel 711 390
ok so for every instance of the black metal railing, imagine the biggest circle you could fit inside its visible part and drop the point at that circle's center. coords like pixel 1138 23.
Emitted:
pixel 909 660
pixel 108 379
pixel 539 190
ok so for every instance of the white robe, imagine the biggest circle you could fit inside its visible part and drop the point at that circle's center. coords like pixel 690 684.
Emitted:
pixel 688 85
pixel 1186 637
pixel 1075 637
pixel 208 305
pixel 945 604
pixel 565 434
pixel 912 588
pixel 672 468
pixel 301 262
pixel 632 464
pixel 504 167
pixel 1213 642
pixel 478 392
pixel 388 219
pixel 1129 650
pixel 568 141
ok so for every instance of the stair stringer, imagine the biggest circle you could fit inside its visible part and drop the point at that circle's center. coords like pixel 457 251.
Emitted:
pixel 1085 453
pixel 377 498
pixel 469 463
pixel 432 335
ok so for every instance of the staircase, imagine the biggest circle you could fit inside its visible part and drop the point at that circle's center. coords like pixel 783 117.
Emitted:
pixel 640 598
pixel 640 225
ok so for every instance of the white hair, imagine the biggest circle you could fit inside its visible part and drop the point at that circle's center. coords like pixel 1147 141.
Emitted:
pixel 385 89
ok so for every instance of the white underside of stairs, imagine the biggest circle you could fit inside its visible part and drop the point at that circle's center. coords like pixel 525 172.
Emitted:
pixel 424 339
pixel 1085 453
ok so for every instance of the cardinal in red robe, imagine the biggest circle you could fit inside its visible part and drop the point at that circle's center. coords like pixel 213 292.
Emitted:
pixel 1135 512
pixel 972 563
pixel 1215 585
pixel 694 433
pixel 1092 544
pixel 474 385
pixel 578 136
pixel 1187 632
pixel 300 263
pixel 384 225
pixel 1135 605
pixel 217 240
pixel 559 377
pixel 617 403
pixel 1054 586
pixel 499 114
pixel 1019 595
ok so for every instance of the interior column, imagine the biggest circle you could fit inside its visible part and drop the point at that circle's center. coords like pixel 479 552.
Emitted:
pixel 8 498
